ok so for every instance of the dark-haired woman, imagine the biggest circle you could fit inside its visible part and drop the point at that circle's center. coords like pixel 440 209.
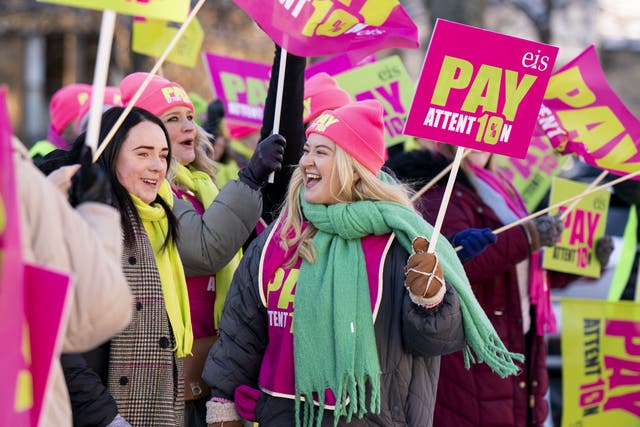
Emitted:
pixel 145 368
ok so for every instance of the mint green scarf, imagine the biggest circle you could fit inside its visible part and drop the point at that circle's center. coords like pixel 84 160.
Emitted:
pixel 334 340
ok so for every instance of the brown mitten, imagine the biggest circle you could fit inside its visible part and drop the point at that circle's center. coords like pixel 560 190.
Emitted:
pixel 424 277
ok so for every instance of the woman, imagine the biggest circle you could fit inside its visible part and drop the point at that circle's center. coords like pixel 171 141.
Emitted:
pixel 145 362
pixel 340 247
pixel 84 243
pixel 194 182
pixel 508 282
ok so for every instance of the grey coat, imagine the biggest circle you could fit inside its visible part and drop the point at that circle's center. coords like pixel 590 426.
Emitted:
pixel 208 242
pixel 410 340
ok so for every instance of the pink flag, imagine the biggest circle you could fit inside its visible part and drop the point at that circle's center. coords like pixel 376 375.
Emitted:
pixel 327 27
pixel 581 114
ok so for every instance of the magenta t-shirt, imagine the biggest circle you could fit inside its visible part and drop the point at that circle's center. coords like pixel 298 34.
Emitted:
pixel 278 286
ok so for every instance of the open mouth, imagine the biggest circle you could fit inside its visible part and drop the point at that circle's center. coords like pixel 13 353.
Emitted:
pixel 153 182
pixel 187 143
pixel 312 179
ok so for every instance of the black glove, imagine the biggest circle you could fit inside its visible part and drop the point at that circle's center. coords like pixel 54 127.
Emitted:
pixel 604 247
pixel 266 159
pixel 90 183
pixel 549 229
pixel 215 114
pixel 473 241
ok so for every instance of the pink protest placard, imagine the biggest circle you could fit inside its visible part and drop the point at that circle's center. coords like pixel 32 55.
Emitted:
pixel 16 398
pixel 581 114
pixel 46 303
pixel 241 85
pixel 480 89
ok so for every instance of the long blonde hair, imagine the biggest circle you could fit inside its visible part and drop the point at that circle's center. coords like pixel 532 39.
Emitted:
pixel 203 161
pixel 368 187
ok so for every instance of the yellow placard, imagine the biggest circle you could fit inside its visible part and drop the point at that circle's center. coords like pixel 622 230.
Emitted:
pixel 601 362
pixel 152 36
pixel 585 224
pixel 176 10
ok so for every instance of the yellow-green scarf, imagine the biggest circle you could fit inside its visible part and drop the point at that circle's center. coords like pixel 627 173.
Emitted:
pixel 199 183
pixel 227 172
pixel 174 286
pixel 203 188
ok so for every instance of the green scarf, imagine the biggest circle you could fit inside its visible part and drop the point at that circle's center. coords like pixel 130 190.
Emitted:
pixel 174 286
pixel 203 188
pixel 199 183
pixel 334 340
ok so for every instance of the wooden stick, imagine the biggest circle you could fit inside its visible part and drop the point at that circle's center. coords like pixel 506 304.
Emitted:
pixel 279 91
pixel 100 78
pixel 573 205
pixel 146 81
pixel 445 200
pixel 571 199
pixel 436 178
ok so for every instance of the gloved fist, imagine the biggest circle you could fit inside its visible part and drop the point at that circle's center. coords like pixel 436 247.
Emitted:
pixel 473 241
pixel 544 231
pixel 90 183
pixel 604 248
pixel 424 277
pixel 266 159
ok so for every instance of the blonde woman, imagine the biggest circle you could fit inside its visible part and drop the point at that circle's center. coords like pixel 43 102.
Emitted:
pixel 373 312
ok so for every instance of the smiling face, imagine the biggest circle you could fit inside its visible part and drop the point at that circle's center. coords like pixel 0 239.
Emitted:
pixel 317 166
pixel 141 164
pixel 182 133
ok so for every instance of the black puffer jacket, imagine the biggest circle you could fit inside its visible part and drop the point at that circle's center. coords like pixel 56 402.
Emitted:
pixel 91 403
pixel 409 340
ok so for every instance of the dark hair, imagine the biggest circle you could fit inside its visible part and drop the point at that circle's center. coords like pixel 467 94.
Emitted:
pixel 122 200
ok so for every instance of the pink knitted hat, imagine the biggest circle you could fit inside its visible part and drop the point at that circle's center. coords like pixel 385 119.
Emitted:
pixel 111 98
pixel 65 105
pixel 321 92
pixel 238 130
pixel 159 96
pixel 358 129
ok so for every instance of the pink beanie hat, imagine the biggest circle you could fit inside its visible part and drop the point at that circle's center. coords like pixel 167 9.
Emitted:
pixel 321 92
pixel 237 130
pixel 65 105
pixel 358 129
pixel 159 96
pixel 111 98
